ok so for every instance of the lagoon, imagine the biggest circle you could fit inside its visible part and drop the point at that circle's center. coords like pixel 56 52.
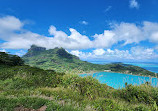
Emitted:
pixel 118 80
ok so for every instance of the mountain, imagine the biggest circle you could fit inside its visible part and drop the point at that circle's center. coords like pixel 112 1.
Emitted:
pixel 60 60
pixel 57 59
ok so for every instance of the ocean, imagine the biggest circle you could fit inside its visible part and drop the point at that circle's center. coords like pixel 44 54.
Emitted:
pixel 118 80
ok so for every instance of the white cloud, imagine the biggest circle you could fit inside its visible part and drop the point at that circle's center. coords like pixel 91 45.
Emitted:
pixel 16 37
pixel 84 22
pixel 134 4
pixel 10 23
pixel 105 40
pixel 135 53
pixel 82 55
pixel 76 52
pixel 99 52
pixel 143 53
pixel 154 37
pixel 129 33
pixel 58 34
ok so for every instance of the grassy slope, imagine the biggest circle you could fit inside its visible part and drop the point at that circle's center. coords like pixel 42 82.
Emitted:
pixel 61 61
pixel 33 88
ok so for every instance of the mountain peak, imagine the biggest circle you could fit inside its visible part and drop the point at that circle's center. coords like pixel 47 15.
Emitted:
pixel 34 50
pixel 37 48
pixel 63 53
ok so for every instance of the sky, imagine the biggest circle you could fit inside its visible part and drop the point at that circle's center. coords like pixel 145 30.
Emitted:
pixel 94 30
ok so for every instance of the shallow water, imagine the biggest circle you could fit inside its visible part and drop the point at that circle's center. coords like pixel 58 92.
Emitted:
pixel 118 80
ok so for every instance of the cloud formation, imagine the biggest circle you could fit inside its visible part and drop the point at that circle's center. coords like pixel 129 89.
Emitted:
pixel 15 36
pixel 134 4
pixel 135 53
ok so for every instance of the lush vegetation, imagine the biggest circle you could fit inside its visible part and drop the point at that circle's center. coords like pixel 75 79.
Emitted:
pixel 61 61
pixel 11 60
pixel 22 86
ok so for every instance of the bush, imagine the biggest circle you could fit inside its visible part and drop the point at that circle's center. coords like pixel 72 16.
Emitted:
pixel 86 86
pixel 144 93
pixel 11 60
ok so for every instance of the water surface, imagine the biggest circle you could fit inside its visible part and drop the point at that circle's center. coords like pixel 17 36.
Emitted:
pixel 118 80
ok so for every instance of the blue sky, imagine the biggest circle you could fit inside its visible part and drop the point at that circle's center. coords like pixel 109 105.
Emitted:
pixel 101 30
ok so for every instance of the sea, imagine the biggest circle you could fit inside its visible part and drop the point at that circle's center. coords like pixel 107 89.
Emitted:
pixel 118 80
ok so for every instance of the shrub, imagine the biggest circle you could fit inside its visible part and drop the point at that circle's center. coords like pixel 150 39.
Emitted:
pixel 86 86
pixel 11 60
pixel 144 93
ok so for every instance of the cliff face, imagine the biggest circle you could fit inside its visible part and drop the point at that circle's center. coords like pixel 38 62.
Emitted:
pixel 34 50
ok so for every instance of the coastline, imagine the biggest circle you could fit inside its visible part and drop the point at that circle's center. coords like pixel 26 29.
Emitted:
pixel 92 72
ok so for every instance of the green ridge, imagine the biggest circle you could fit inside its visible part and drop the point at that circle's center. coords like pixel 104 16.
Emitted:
pixel 60 60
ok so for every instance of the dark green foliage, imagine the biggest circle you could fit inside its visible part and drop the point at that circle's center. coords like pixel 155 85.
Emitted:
pixel 63 54
pixel 12 60
pixel 89 87
pixel 144 93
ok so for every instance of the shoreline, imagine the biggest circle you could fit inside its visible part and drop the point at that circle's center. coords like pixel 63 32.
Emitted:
pixel 92 72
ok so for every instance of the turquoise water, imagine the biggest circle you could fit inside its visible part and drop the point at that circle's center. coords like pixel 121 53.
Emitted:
pixel 118 80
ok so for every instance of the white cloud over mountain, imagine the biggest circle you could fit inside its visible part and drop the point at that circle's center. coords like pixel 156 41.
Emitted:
pixel 135 53
pixel 16 37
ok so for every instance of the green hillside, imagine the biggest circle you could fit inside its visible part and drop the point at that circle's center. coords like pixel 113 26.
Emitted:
pixel 60 60
pixel 25 88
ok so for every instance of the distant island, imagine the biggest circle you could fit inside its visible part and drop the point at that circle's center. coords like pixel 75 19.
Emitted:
pixel 60 60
